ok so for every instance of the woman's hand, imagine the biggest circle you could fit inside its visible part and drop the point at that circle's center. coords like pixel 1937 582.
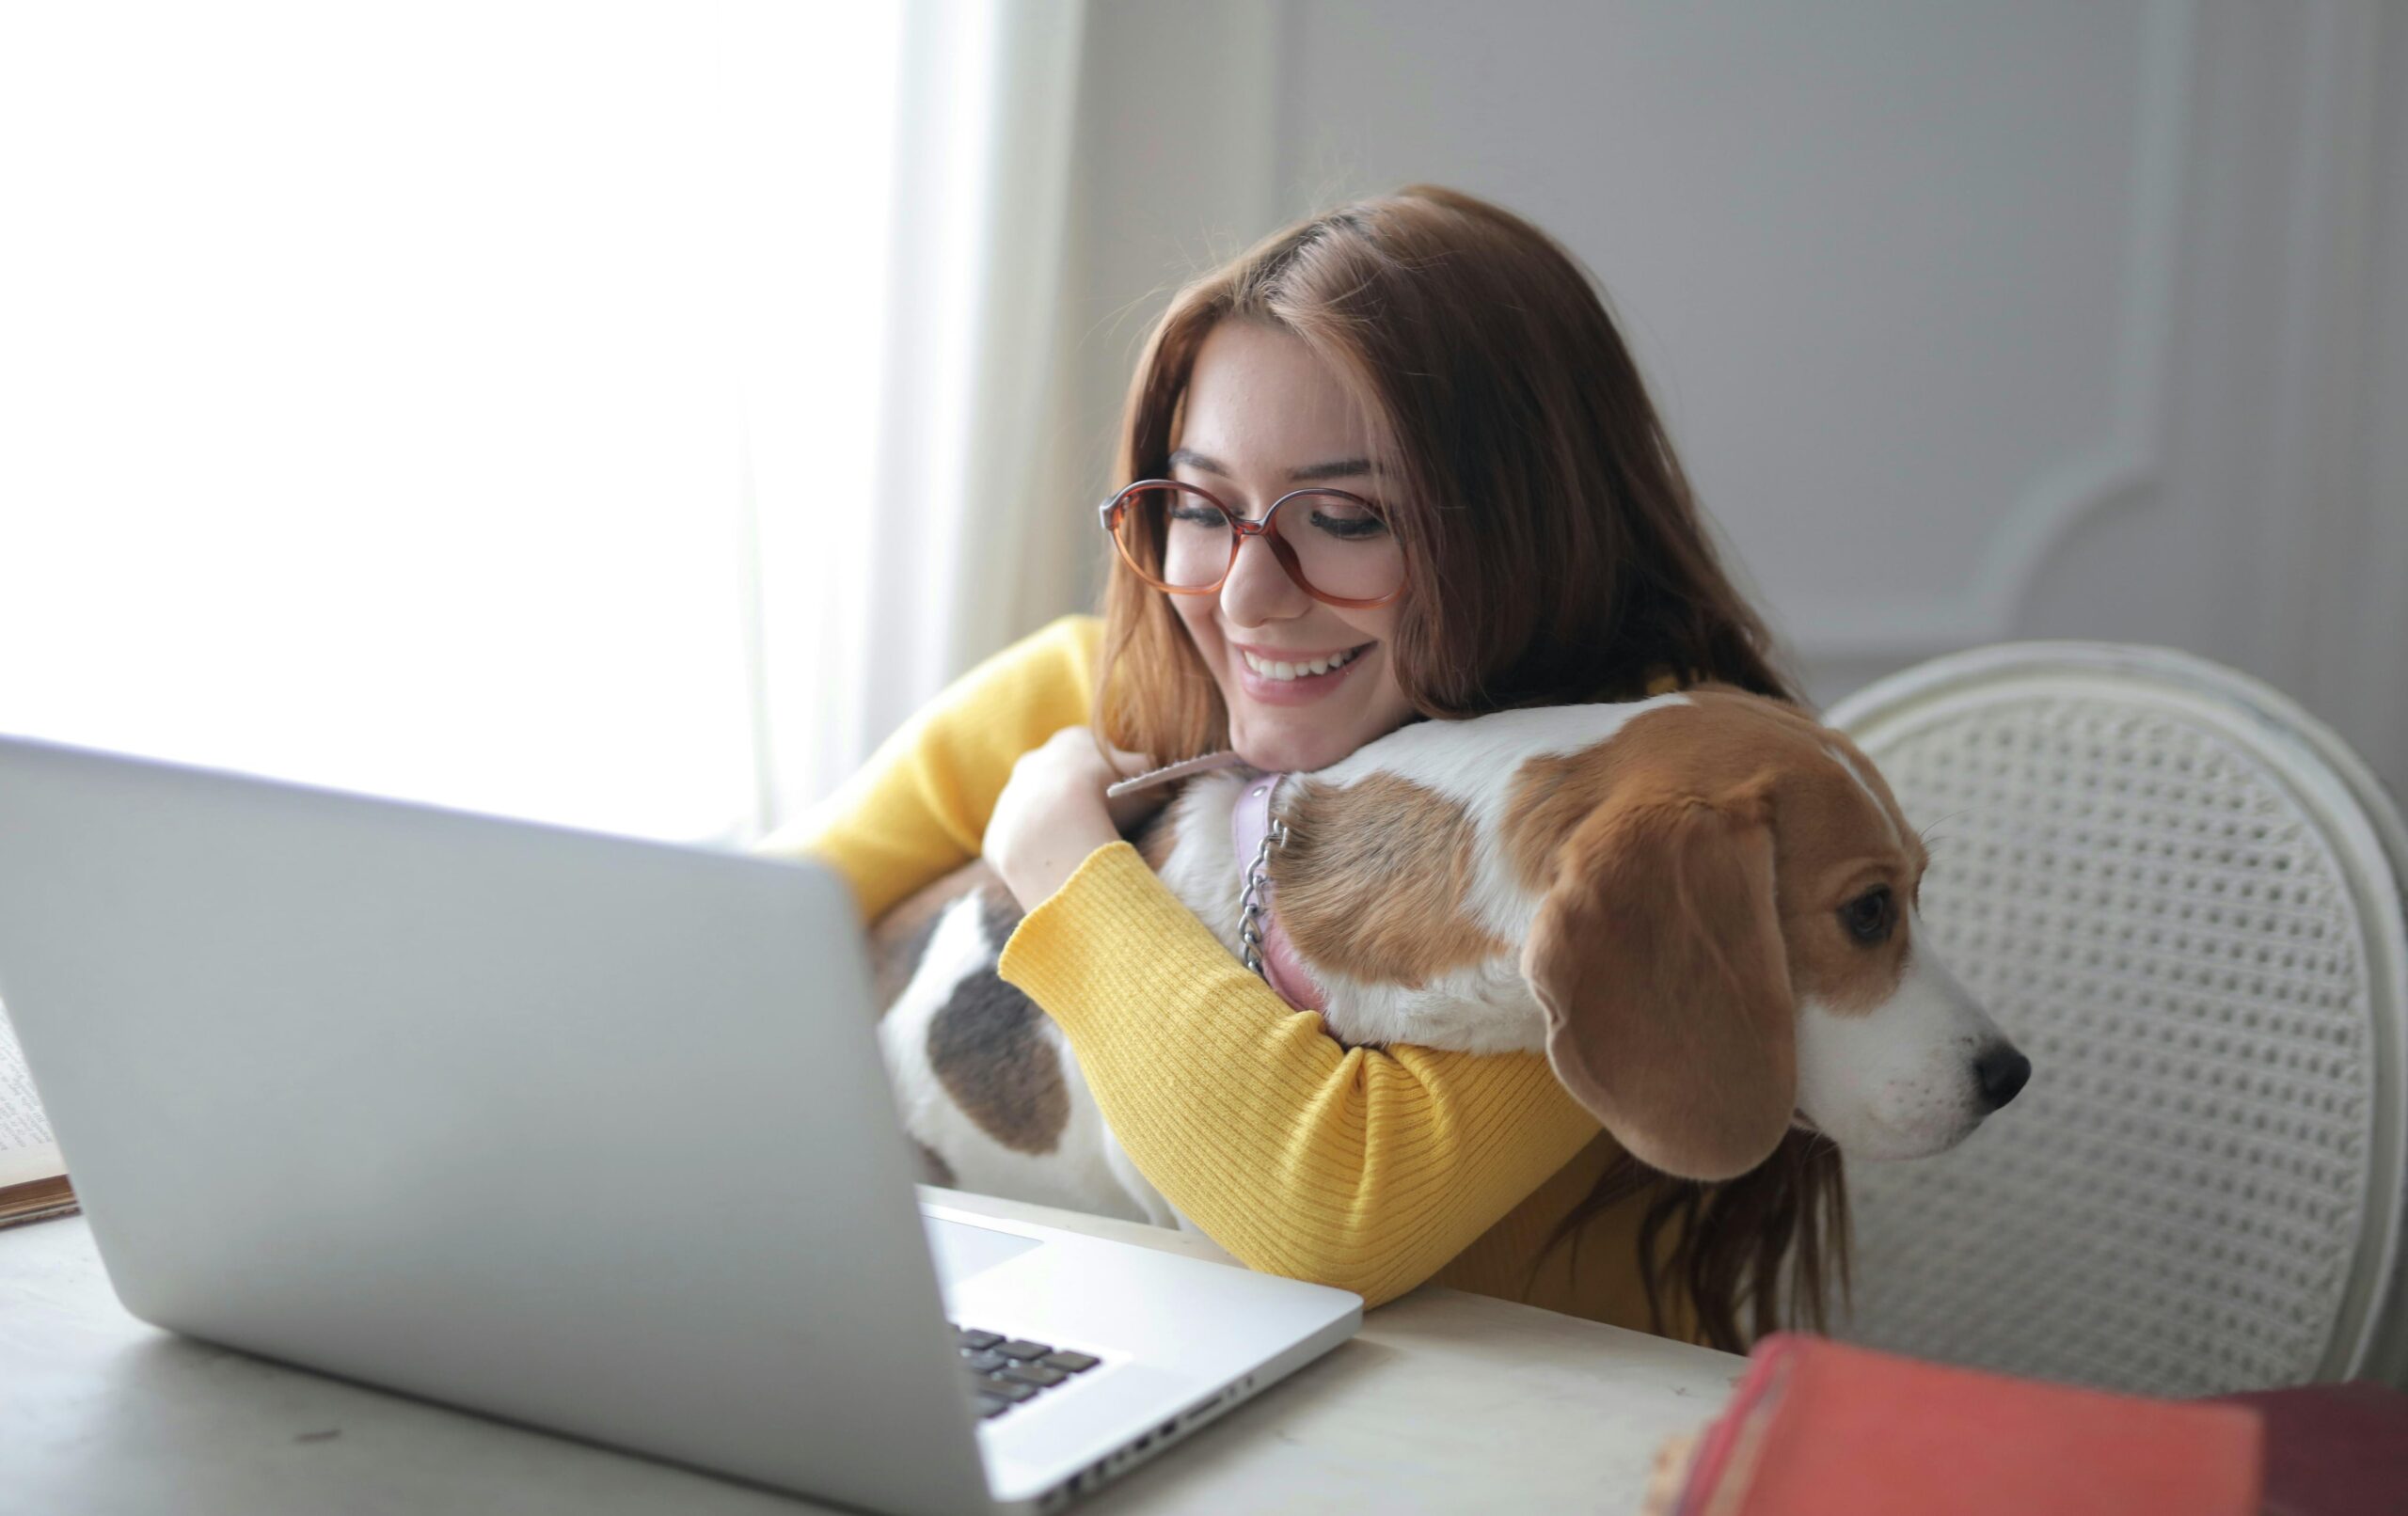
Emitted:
pixel 1052 812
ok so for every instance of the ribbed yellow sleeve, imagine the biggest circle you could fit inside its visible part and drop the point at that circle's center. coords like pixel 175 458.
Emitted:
pixel 1365 1169
pixel 918 810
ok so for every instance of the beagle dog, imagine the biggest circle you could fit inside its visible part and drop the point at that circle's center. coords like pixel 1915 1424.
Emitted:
pixel 1701 907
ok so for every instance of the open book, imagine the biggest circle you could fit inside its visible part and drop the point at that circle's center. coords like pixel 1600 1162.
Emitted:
pixel 33 1178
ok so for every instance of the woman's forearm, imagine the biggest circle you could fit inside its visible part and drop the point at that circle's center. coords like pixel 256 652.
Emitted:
pixel 1363 1168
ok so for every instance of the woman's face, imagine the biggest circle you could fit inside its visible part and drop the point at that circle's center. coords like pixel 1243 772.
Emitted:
pixel 1265 417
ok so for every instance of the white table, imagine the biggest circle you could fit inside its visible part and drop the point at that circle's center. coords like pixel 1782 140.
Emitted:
pixel 1444 1402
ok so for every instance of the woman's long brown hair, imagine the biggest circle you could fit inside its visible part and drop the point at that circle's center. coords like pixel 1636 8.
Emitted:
pixel 1553 555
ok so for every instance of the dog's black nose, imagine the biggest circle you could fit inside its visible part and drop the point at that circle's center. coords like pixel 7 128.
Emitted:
pixel 2002 1073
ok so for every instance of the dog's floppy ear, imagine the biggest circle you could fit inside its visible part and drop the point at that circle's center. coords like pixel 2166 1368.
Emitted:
pixel 1659 958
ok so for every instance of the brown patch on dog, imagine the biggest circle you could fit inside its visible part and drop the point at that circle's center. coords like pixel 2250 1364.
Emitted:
pixel 1849 977
pixel 1831 839
pixel 1553 794
pixel 1659 958
pixel 987 1048
pixel 1373 881
pixel 900 938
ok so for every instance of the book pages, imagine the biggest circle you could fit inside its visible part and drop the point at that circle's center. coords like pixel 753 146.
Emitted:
pixel 27 1150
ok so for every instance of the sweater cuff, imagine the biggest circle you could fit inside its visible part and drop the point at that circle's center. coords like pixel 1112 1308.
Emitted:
pixel 1111 893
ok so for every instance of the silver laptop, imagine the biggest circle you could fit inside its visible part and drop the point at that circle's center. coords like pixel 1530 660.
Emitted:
pixel 581 1132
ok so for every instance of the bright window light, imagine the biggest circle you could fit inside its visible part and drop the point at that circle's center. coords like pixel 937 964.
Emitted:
pixel 370 388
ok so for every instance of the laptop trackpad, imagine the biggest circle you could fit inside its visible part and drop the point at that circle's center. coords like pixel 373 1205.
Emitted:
pixel 962 1250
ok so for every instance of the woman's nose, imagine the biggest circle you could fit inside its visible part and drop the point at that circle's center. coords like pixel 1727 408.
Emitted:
pixel 1257 589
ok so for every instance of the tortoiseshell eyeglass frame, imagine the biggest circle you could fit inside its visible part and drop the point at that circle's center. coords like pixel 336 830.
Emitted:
pixel 1111 510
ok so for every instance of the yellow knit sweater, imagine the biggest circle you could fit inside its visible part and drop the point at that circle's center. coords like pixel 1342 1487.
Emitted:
pixel 1371 1169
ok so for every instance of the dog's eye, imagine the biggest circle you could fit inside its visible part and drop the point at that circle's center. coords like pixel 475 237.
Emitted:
pixel 1869 917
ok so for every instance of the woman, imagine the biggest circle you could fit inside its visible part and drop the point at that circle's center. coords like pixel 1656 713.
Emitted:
pixel 1513 530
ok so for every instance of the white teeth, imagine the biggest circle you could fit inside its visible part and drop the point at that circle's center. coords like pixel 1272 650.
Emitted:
pixel 1296 671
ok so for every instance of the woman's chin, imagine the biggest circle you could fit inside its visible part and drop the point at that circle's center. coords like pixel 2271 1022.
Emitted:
pixel 1286 735
pixel 1289 752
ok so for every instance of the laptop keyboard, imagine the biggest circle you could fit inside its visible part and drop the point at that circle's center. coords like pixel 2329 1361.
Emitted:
pixel 1011 1371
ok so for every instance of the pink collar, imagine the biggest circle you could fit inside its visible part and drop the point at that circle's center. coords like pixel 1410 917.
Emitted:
pixel 1249 823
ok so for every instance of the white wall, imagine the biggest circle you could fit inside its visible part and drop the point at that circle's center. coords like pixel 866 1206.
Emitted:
pixel 1972 322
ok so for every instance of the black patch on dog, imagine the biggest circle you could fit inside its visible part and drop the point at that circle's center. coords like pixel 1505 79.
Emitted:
pixel 933 1169
pixel 987 1048
pixel 1000 914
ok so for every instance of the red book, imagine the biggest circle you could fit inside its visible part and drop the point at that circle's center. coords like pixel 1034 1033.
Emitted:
pixel 2334 1449
pixel 1821 1426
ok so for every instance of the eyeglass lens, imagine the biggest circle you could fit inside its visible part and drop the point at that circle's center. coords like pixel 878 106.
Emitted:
pixel 1183 539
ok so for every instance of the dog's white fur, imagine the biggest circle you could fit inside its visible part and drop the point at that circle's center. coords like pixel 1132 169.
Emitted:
pixel 1889 1084
pixel 1893 1082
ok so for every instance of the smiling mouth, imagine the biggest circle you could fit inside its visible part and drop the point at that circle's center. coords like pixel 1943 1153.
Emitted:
pixel 1289 671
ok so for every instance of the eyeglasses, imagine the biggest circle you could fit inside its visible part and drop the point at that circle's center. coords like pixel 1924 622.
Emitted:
pixel 1337 547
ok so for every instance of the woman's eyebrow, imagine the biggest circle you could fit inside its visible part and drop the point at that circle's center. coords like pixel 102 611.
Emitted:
pixel 1340 468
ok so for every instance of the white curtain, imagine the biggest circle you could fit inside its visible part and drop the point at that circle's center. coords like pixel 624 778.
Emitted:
pixel 621 415
pixel 364 415
pixel 961 538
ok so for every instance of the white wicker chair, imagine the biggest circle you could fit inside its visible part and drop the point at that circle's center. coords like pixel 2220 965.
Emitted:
pixel 2181 896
